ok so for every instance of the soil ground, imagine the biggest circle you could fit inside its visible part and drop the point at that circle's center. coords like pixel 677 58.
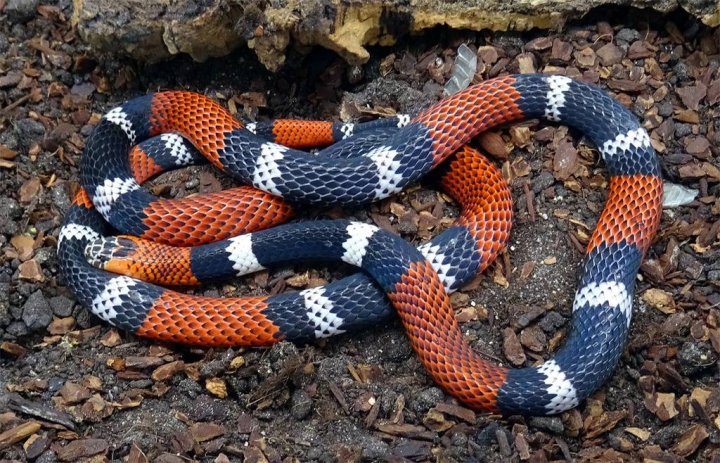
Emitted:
pixel 73 388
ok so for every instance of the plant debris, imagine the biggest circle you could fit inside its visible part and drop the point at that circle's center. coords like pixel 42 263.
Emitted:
pixel 75 389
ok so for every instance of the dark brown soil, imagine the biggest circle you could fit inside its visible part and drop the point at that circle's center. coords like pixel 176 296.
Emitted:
pixel 72 388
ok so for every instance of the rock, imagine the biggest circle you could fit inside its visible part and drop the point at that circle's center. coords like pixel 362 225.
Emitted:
pixel 694 357
pixel 10 79
pixel 16 329
pixel 610 54
pixel 10 211
pixel 156 31
pixel 29 131
pixel 37 313
pixel 4 43
pixel 487 436
pixel 551 322
pixel 21 10
pixel 5 317
pixel 61 306
pixel 301 404
pixel 47 456
pixel 550 423
pixel 544 180
pixel 627 35
pixel 206 408
pixel 425 400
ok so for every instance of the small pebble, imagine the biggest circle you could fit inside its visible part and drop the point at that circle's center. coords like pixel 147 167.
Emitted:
pixel 694 357
pixel 21 11
pixel 550 423
pixel 37 313
pixel 300 404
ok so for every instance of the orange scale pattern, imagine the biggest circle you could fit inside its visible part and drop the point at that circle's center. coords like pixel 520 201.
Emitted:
pixel 142 166
pixel 485 198
pixel 153 262
pixel 212 322
pixel 454 121
pixel 301 134
pixel 214 216
pixel 82 199
pixel 429 320
pixel 197 117
pixel 632 212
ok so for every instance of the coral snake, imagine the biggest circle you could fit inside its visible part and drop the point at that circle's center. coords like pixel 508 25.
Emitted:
pixel 206 237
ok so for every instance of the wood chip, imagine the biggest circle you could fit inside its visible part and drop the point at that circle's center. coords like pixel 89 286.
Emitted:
pixel 7 153
pixel 73 393
pixel 18 433
pixel 565 161
pixel 662 404
pixel 523 449
pixel 24 246
pixel 606 421
pixel 405 430
pixel 457 411
pixel 339 396
pixel 13 348
pixel 142 362
pixel 111 338
pixel 692 95
pixel 167 371
pixel 29 190
pixel 512 349
pixel 136 455
pixel 39 410
pixel 494 144
pixel 435 421
pixel 690 440
pixel 202 432
pixel 83 448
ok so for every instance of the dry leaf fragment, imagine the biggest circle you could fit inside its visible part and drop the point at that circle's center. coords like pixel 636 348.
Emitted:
pixel 24 246
pixel 435 421
pixel 202 432
pixel 111 338
pixel 642 434
pixel 660 300
pixel 31 271
pixel 606 421
pixel 217 387
pixel 61 325
pixel 237 362
pixel 29 190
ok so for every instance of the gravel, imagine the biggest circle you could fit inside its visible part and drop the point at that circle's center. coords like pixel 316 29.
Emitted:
pixel 37 313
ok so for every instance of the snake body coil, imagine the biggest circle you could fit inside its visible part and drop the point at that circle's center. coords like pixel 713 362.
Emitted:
pixel 372 162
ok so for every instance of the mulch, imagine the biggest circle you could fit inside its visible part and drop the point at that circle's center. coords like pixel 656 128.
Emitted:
pixel 75 389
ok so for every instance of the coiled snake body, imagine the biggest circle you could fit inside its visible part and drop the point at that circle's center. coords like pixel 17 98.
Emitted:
pixel 369 162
